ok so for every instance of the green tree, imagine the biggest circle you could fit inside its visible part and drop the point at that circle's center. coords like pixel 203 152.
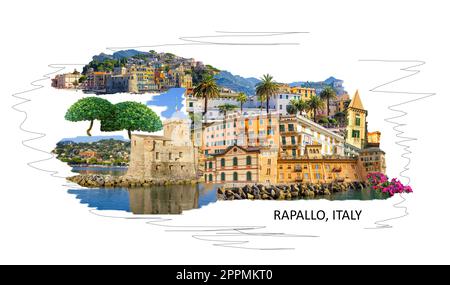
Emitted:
pixel 241 98
pixel 291 109
pixel 207 89
pixel 82 79
pixel 266 89
pixel 132 116
pixel 327 94
pixel 315 103
pixel 90 109
pixel 340 117
pixel 299 105
pixel 223 109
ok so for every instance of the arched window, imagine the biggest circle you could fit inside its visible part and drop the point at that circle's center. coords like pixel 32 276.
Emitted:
pixel 235 161
pixel 210 165
pixel 235 176
pixel 210 177
pixel 206 178
pixel 222 176
pixel 249 176
pixel 222 162
pixel 249 160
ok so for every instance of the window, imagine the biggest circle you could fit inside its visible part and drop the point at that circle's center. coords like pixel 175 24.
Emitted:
pixel 210 177
pixel 235 176
pixel 281 107
pixel 283 140
pixel 269 161
pixel 222 162
pixel 316 166
pixel 249 176
pixel 170 156
pixel 291 127
pixel 191 104
pixel 222 176
pixel 289 176
pixel 355 134
pixel 206 177
pixel 281 128
pixel 317 175
pixel 180 155
pixel 156 155
pixel 287 96
pixel 235 161
pixel 293 140
pixel 306 175
pixel 210 165
pixel 358 121
pixel 249 160
pixel 206 152
pixel 268 171
pixel 281 96
pixel 294 152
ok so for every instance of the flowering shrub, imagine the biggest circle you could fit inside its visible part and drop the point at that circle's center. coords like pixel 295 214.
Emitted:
pixel 379 181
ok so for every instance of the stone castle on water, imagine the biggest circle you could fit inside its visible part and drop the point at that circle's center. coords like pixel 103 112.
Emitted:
pixel 171 156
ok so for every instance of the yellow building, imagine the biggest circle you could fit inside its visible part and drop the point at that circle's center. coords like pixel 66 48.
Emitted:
pixel 356 123
pixel 372 159
pixel 314 167
pixel 373 139
pixel 145 77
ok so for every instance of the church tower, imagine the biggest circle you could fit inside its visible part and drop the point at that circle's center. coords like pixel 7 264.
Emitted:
pixel 356 123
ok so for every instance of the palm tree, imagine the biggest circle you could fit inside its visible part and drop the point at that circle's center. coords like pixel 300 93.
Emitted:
pixel 315 103
pixel 327 94
pixel 340 117
pixel 299 105
pixel 241 98
pixel 223 109
pixel 207 89
pixel 266 89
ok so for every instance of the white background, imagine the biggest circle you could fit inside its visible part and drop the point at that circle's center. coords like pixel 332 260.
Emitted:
pixel 41 223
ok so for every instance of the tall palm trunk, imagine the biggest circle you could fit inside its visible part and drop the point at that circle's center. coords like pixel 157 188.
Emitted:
pixel 328 107
pixel 267 104
pixel 206 108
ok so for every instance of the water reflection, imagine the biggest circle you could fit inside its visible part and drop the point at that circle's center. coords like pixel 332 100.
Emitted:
pixel 163 200
pixel 150 200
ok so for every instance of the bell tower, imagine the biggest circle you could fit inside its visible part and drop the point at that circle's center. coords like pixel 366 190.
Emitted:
pixel 356 123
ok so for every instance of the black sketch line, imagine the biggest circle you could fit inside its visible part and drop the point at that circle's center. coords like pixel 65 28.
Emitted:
pixel 412 69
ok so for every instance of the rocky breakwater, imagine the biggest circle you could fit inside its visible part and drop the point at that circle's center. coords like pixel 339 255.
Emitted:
pixel 96 181
pixel 286 192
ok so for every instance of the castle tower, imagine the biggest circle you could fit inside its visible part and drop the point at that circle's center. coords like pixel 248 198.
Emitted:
pixel 178 129
pixel 356 123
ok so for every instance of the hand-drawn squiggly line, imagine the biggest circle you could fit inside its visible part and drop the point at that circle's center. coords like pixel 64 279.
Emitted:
pixel 237 230
pixel 199 40
pixel 412 65
pixel 37 135
pixel 220 231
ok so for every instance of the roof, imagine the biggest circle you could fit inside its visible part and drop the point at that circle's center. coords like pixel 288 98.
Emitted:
pixel 356 102
pixel 249 149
